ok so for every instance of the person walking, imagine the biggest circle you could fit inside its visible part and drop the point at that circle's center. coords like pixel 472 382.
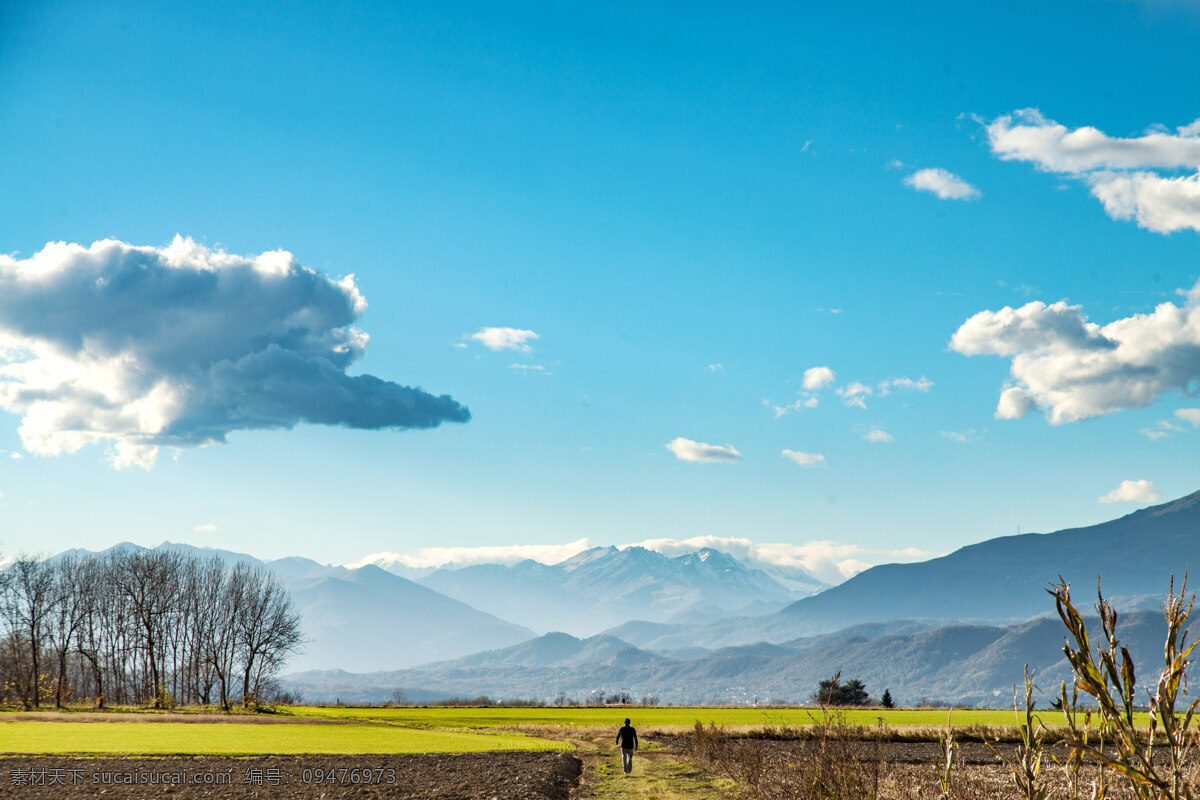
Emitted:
pixel 627 738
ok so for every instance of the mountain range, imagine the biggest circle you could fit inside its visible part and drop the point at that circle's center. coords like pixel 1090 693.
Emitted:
pixel 959 627
pixel 605 586
pixel 963 664
pixel 705 626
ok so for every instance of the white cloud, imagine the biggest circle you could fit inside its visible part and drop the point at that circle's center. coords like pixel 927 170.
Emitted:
pixel 805 400
pixel 856 392
pixel 1189 415
pixel 1026 135
pixel 945 185
pixel 687 450
pixel 832 562
pixel 716 367
pixel 875 434
pixel 433 557
pixel 505 338
pixel 1118 171
pixel 922 384
pixel 207 527
pixel 144 347
pixel 1164 428
pixel 1132 492
pixel 1074 369
pixel 805 459
pixel 963 437
pixel 817 377
pixel 538 368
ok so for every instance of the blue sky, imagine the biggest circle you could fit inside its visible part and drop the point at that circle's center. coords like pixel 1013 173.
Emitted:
pixel 689 206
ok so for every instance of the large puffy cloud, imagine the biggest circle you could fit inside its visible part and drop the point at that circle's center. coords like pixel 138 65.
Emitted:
pixel 1074 369
pixel 702 452
pixel 145 347
pixel 1119 171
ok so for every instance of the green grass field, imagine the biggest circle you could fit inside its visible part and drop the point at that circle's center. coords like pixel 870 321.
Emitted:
pixel 648 718
pixel 235 739
pixel 430 730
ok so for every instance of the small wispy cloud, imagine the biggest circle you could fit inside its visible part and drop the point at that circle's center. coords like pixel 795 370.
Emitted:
pixel 206 527
pixel 963 437
pixel 856 393
pixel 1023 289
pixel 804 401
pixel 1189 415
pixel 715 367
pixel 946 185
pixel 805 459
pixel 534 368
pixel 874 433
pixel 1133 492
pixel 1165 428
pixel 505 338
pixel 702 452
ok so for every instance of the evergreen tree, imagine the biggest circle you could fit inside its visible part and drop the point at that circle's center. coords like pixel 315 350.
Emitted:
pixel 886 701
pixel 835 693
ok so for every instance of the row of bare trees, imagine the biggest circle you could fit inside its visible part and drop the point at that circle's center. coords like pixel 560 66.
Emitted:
pixel 142 627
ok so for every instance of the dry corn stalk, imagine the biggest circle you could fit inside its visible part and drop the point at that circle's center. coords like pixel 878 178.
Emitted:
pixel 1108 676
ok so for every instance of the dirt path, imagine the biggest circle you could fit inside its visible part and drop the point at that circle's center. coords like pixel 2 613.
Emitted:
pixel 658 774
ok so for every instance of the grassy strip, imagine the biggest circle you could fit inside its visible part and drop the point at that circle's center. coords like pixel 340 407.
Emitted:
pixel 237 739
pixel 668 717
pixel 657 775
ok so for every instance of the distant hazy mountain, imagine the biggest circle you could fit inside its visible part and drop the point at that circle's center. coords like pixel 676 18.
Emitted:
pixel 368 618
pixel 606 586
pixel 372 619
pixel 964 664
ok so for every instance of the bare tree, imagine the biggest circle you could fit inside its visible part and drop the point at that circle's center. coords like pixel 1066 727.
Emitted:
pixel 142 626
pixel 268 629
pixel 70 609
pixel 150 582
pixel 32 588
